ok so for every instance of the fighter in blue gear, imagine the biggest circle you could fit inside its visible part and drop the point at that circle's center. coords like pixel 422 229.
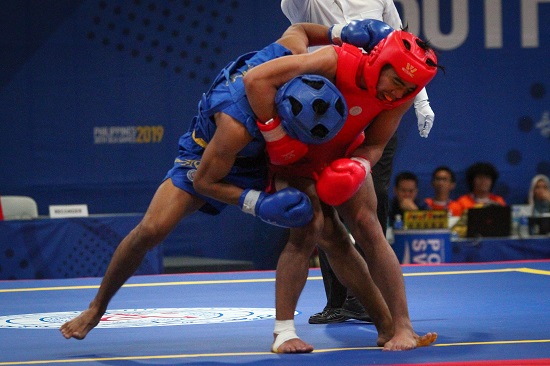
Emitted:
pixel 221 161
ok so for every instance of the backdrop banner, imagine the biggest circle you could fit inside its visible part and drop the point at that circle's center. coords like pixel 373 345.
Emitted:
pixel 94 94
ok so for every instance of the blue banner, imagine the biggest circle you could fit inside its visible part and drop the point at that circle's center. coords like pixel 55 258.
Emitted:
pixel 94 94
pixel 422 246
pixel 67 248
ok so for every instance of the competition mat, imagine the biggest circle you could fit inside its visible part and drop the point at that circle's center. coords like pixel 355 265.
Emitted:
pixel 485 314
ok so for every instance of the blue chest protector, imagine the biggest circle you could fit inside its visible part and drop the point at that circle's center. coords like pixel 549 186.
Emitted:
pixel 227 95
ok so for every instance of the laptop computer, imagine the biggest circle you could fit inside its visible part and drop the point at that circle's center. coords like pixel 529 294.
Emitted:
pixel 490 221
pixel 539 225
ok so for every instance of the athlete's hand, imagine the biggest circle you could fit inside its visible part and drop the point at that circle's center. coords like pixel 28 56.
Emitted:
pixel 424 113
pixel 365 33
pixel 281 148
pixel 340 180
pixel 288 207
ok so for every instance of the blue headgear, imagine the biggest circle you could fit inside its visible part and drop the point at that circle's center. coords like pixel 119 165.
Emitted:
pixel 311 108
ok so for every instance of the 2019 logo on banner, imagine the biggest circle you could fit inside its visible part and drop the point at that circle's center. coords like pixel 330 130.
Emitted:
pixel 128 134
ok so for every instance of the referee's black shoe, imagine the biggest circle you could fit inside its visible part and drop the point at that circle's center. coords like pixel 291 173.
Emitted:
pixel 328 315
pixel 352 309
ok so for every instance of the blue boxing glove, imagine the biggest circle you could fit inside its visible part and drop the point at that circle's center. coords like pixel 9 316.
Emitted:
pixel 364 33
pixel 287 208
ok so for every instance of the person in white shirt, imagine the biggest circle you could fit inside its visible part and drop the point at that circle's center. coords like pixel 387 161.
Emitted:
pixel 342 306
pixel 330 12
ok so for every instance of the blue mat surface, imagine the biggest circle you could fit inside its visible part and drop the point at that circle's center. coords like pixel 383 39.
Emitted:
pixel 482 312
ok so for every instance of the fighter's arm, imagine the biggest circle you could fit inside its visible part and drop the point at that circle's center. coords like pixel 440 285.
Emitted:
pixel 379 133
pixel 218 159
pixel 262 82
pixel 288 207
pixel 298 37
pixel 339 181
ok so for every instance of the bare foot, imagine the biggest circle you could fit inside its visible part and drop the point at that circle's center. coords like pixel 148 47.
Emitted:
pixel 294 345
pixel 385 332
pixel 79 327
pixel 382 340
pixel 409 340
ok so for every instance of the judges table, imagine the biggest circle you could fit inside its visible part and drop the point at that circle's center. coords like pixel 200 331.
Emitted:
pixel 66 247
pixel 501 249
pixel 436 246
pixel 83 247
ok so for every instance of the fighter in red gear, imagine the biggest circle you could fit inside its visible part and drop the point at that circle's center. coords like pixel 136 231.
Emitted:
pixel 356 76
pixel 378 88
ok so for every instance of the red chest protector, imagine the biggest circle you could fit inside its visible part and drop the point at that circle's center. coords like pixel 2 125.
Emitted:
pixel 362 108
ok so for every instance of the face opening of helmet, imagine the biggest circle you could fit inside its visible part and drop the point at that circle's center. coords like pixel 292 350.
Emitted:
pixel 392 85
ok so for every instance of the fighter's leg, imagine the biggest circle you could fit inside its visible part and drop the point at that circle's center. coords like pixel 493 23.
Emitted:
pixel 353 272
pixel 360 215
pixel 381 175
pixel 168 206
pixel 291 276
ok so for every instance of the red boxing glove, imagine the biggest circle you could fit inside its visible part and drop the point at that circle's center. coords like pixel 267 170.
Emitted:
pixel 340 180
pixel 281 148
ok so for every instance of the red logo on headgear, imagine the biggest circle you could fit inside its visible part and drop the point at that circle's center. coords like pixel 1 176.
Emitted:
pixel 409 69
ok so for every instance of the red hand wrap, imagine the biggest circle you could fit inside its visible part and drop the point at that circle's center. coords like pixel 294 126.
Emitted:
pixel 281 148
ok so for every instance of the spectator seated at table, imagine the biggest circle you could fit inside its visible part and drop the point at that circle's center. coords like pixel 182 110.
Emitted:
pixel 405 195
pixel 539 195
pixel 443 183
pixel 481 178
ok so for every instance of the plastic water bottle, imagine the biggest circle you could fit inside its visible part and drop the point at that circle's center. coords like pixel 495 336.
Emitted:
pixel 398 223
pixel 454 235
pixel 516 218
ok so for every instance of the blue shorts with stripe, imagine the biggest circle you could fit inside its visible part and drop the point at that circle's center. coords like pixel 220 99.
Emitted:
pixel 246 173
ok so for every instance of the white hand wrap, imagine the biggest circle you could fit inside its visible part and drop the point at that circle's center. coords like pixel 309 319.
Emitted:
pixel 336 32
pixel 249 204
pixel 364 162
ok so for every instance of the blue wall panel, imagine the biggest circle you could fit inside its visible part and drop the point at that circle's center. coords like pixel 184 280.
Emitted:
pixel 94 94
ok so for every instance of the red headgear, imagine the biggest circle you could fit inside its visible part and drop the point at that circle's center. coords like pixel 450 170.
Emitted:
pixel 410 61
